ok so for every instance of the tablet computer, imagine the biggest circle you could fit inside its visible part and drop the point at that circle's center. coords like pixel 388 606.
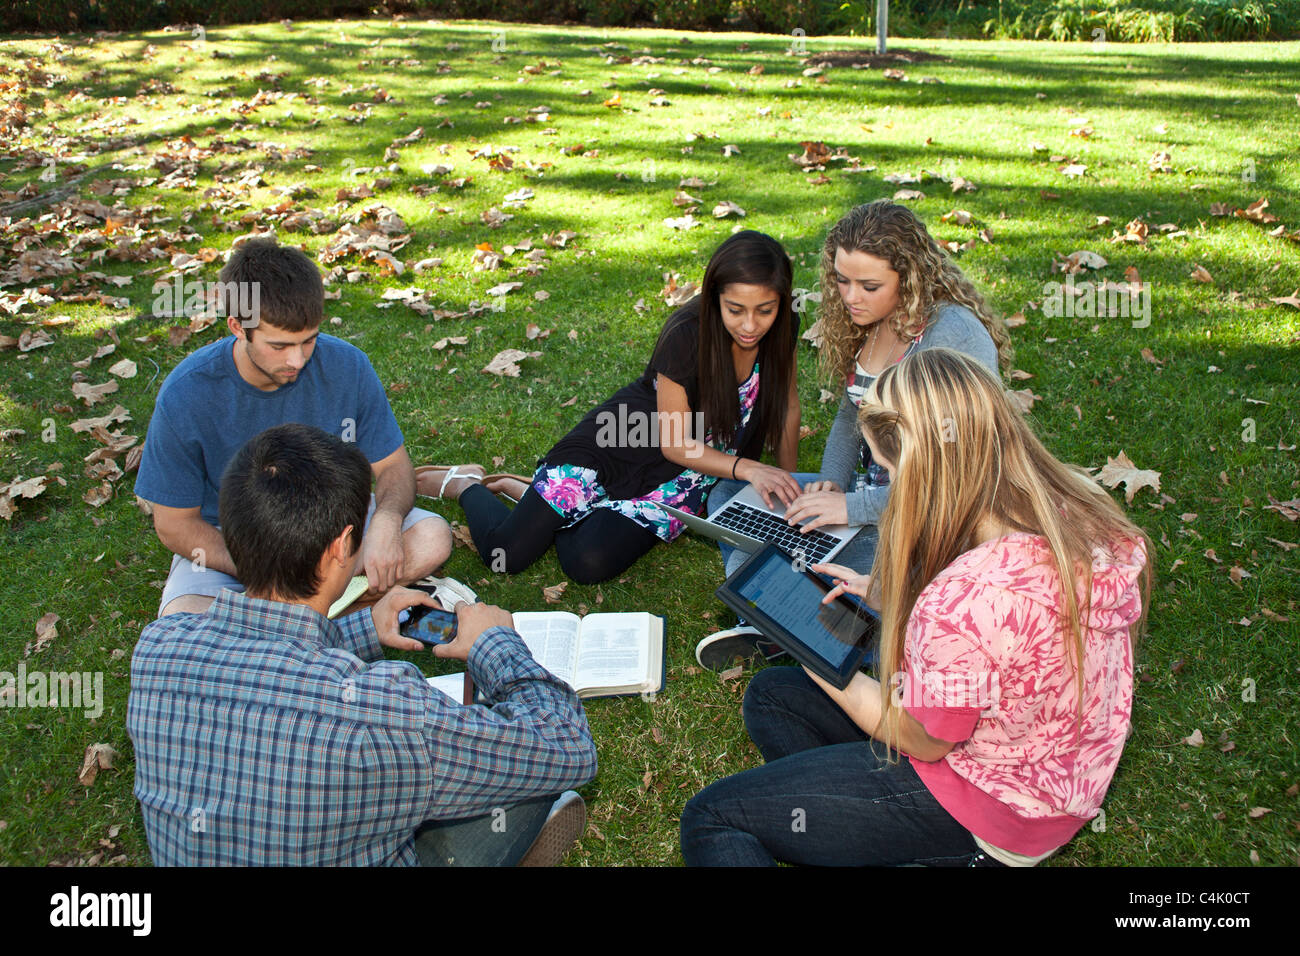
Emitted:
pixel 782 599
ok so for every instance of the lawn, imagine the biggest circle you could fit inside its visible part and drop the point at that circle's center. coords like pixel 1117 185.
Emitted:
pixel 189 139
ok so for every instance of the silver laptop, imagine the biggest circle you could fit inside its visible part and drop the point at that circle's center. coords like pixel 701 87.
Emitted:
pixel 746 523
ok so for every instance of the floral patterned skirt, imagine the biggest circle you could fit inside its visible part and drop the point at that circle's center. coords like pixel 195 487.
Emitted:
pixel 573 491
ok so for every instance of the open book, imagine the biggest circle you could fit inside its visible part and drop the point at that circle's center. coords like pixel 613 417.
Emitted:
pixel 600 655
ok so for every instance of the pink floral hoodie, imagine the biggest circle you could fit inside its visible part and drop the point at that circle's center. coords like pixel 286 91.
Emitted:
pixel 985 665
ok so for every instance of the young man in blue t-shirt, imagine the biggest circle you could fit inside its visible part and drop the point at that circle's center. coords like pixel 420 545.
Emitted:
pixel 276 368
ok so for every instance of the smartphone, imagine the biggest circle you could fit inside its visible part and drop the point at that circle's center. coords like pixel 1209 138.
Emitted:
pixel 429 625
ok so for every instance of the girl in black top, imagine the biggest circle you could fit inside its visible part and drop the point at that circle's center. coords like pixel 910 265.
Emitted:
pixel 696 414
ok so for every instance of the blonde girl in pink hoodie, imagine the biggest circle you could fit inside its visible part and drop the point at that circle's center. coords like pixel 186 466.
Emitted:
pixel 1011 588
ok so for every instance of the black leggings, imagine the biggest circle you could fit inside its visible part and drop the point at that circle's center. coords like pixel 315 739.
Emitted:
pixel 600 546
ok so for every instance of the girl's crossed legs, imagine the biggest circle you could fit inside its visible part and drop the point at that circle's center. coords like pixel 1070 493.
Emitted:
pixel 826 795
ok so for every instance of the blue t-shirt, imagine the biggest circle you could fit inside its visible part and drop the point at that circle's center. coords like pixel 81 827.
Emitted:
pixel 205 412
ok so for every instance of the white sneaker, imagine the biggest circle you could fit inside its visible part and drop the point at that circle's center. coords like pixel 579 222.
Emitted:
pixel 737 645
pixel 447 591
pixel 563 826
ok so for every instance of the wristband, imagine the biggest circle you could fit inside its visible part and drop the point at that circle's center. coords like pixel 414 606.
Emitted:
pixel 733 467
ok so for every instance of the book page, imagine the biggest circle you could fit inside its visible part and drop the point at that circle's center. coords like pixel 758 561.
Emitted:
pixel 453 685
pixel 552 638
pixel 614 650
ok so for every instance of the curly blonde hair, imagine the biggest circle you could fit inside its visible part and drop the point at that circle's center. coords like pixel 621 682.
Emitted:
pixel 926 277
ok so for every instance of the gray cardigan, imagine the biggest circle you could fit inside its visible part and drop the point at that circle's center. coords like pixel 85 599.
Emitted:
pixel 954 327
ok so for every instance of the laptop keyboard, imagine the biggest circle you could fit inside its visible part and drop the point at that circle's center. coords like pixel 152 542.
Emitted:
pixel 765 526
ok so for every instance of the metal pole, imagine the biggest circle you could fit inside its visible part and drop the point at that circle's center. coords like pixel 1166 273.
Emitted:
pixel 882 24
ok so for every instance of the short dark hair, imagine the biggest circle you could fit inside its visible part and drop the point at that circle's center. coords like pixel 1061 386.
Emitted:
pixel 290 294
pixel 285 496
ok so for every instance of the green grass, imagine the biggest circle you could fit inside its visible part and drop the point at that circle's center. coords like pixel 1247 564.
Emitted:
pixel 1219 105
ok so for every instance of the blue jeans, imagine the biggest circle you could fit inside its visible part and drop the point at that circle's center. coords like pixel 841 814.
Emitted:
pixel 857 554
pixel 825 796
pixel 500 838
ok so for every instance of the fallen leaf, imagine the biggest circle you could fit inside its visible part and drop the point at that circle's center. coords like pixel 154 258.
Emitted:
pixel 1194 739
pixel 98 757
pixel 1201 275
pixel 94 394
pixel 1120 470
pixel 727 208
pixel 1256 812
pixel 30 339
pixel 554 592
pixel 99 495
pixel 1023 398
pixel 46 633
pixel 1255 212
pixel 503 363
pixel 123 369
pixel 904 195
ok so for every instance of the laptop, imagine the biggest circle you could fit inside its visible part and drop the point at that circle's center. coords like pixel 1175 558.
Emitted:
pixel 746 523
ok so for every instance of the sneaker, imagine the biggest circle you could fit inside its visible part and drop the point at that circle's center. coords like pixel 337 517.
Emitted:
pixel 563 826
pixel 738 645
pixel 447 591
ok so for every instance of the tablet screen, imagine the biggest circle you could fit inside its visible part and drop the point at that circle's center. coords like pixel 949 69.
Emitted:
pixel 793 599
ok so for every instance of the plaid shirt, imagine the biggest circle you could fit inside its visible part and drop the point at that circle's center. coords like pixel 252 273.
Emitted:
pixel 264 737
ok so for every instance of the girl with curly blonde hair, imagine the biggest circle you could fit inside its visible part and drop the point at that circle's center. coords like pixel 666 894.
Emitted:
pixel 888 291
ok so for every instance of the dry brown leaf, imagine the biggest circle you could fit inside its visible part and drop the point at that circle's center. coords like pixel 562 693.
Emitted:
pixel 98 757
pixel 118 414
pixel 503 363
pixel 30 339
pixel 1023 398
pixel 28 488
pixel 1194 739
pixel 1120 470
pixel 460 533
pixel 1201 275
pixel 1290 510
pixel 99 495
pixel 123 369
pixel 554 592
pixel 46 633
pixel 94 394
pixel 1256 812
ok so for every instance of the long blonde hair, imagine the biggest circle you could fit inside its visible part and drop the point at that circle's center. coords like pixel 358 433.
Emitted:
pixel 926 278
pixel 962 453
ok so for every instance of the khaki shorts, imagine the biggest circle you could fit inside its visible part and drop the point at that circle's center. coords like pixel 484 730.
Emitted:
pixel 186 578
